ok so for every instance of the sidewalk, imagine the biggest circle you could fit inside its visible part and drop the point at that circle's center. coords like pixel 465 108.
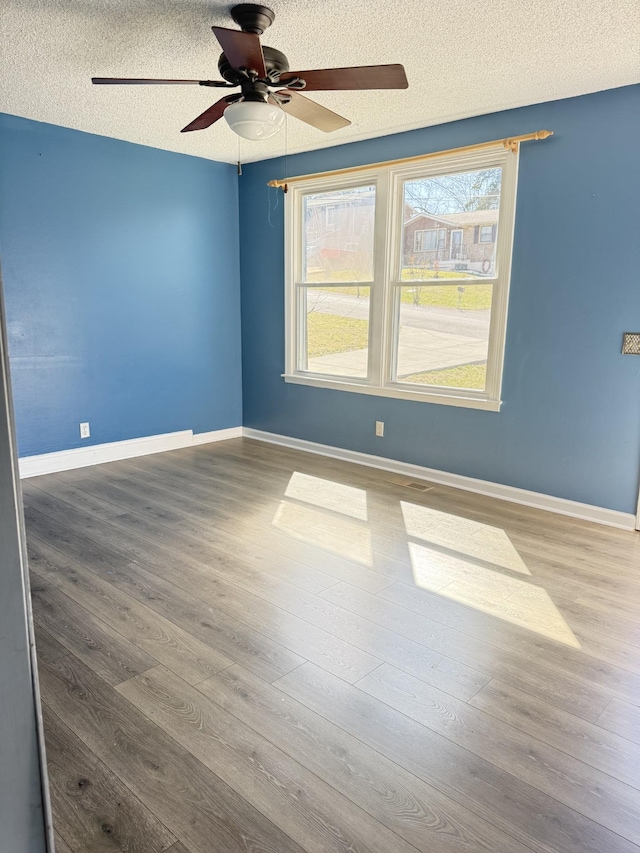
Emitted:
pixel 419 350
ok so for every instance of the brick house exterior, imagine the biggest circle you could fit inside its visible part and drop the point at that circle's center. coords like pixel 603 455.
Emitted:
pixel 339 235
pixel 454 241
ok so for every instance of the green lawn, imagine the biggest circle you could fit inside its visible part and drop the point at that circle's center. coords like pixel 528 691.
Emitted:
pixel 476 297
pixel 329 333
pixel 408 274
pixel 471 376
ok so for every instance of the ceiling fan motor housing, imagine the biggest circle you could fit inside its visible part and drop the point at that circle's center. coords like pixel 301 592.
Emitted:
pixel 252 18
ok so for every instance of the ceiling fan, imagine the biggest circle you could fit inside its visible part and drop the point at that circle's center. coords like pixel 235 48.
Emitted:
pixel 268 89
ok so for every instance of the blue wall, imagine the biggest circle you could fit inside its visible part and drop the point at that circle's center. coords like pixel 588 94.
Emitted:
pixel 570 423
pixel 121 278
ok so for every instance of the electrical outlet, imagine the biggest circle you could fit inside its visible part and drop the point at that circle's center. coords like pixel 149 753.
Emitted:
pixel 379 428
pixel 85 432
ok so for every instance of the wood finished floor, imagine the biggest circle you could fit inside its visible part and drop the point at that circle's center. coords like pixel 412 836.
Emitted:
pixel 246 649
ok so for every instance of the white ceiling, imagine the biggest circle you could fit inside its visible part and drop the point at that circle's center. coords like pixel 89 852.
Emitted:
pixel 463 58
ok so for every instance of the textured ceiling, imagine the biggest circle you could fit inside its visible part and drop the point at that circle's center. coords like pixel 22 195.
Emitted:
pixel 463 57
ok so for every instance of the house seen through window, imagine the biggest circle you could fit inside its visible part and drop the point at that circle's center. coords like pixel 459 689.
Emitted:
pixel 398 279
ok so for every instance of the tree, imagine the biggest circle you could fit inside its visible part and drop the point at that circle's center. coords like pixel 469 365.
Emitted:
pixel 453 193
pixel 487 190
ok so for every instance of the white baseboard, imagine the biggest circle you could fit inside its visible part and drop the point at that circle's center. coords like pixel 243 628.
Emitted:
pixel 80 457
pixel 562 506
pixel 217 435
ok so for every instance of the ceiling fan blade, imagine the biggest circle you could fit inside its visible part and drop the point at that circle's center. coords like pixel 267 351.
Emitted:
pixel 243 50
pixel 361 77
pixel 312 113
pixel 208 117
pixel 145 81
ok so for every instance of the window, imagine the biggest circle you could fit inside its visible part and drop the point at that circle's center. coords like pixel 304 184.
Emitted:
pixel 487 233
pixel 406 296
pixel 429 241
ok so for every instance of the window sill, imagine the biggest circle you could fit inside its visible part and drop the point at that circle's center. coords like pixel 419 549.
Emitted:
pixel 395 392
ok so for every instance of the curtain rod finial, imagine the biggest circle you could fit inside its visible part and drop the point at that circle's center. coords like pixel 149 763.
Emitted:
pixel 513 142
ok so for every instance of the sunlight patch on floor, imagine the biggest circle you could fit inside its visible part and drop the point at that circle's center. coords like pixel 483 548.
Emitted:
pixel 463 535
pixel 326 494
pixel 343 536
pixel 490 591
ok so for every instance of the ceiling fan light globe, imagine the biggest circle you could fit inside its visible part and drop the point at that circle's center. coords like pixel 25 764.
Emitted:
pixel 254 120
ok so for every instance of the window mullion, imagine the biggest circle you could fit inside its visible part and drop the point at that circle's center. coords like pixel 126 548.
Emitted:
pixel 378 291
pixel 393 237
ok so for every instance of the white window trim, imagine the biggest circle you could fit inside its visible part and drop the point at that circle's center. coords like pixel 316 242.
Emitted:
pixel 387 251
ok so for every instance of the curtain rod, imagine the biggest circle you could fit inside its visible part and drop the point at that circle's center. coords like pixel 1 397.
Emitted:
pixel 511 144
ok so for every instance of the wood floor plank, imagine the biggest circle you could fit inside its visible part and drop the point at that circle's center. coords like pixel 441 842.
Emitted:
pixel 382 514
pixel 614 623
pixel 585 741
pixel 557 774
pixel 600 647
pixel 223 544
pixel 42 491
pixel 311 812
pixel 533 675
pixel 618 681
pixel 519 720
pixel 258 615
pixel 520 810
pixel 609 603
pixel 108 653
pixel 84 547
pixel 492 511
pixel 194 803
pixel 323 647
pixel 168 644
pixel 197 532
pixel 434 667
pixel 47 647
pixel 61 844
pixel 417 812
pixel 105 543
pixel 622 718
pixel 213 627
pixel 230 554
pixel 91 806
pixel 340 468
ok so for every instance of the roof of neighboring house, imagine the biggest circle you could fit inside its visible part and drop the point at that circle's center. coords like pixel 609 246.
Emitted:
pixel 474 217
pixel 467 217
pixel 435 218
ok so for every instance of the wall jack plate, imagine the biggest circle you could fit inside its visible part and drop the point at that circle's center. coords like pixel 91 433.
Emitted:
pixel 85 432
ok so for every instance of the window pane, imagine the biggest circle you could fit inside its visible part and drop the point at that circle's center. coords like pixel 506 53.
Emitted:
pixel 337 331
pixel 450 226
pixel 338 235
pixel 443 337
